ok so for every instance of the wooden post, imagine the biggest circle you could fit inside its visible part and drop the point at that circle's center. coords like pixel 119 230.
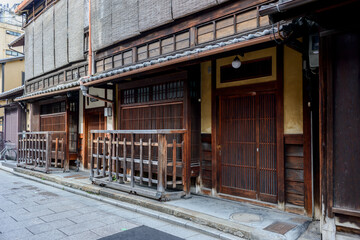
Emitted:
pixel 280 126
pixel 97 155
pixel 150 164
pixel 48 151
pixel 104 158
pixel 56 151
pixel 91 155
pixel 141 162
pixel 117 158
pixel 162 159
pixel 110 157
pixel 174 164
pixel 132 160
pixel 125 163
pixel 63 152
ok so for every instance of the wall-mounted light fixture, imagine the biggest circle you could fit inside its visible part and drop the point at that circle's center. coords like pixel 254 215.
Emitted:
pixel 236 63
pixel 107 112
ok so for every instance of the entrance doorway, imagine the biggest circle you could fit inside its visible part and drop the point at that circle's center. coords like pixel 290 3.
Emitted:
pixel 95 120
pixel 248 146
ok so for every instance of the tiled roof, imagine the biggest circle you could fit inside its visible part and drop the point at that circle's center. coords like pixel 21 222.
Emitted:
pixel 11 91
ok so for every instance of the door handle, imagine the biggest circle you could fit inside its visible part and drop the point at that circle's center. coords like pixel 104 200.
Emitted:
pixel 218 147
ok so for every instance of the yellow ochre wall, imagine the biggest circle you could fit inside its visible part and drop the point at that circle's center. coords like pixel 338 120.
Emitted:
pixel 293 111
pixel 13 74
pixel 206 97
pixel 13 79
pixel 293 92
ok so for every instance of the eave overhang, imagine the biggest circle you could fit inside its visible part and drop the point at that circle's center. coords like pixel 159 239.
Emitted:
pixel 18 42
pixel 22 6
pixel 12 93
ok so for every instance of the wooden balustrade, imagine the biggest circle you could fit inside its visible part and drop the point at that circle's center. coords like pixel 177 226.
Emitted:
pixel 42 150
pixel 145 162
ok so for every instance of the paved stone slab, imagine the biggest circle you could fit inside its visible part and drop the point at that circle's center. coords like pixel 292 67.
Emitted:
pixel 114 228
pixel 81 227
pixel 20 234
pixel 177 231
pixel 151 222
pixel 58 216
pixel 53 235
pixel 88 235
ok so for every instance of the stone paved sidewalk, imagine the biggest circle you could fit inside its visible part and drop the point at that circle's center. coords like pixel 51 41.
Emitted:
pixel 30 210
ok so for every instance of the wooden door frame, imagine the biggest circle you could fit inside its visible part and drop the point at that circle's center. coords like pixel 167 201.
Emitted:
pixel 86 131
pixel 276 86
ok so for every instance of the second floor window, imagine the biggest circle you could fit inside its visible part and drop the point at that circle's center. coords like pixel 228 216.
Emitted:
pixel 12 53
pixel 12 33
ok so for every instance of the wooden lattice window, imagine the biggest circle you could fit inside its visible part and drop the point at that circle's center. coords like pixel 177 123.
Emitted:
pixel 53 108
pixel 170 91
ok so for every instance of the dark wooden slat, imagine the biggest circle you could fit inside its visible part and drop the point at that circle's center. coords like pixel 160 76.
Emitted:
pixel 294 151
pixel 295 199
pixel 294 162
pixel 294 139
pixel 294 175
pixel 294 187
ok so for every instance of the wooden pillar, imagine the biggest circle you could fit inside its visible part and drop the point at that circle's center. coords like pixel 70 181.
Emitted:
pixel 162 162
pixel 280 125
pixel 214 131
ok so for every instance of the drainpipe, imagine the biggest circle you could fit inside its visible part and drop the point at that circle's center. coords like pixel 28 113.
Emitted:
pixel 90 47
pixel 85 90
pixel 2 76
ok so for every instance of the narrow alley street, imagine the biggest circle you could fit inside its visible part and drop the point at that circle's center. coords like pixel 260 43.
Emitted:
pixel 30 210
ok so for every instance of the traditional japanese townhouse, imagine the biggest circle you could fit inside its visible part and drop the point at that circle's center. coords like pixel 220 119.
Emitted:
pixel 11 113
pixel 14 116
pixel 337 39
pixel 55 58
pixel 190 96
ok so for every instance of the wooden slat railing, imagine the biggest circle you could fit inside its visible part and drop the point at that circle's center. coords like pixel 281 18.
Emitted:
pixel 145 162
pixel 42 150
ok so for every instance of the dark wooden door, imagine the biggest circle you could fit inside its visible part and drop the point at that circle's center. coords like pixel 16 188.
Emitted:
pixel 248 146
pixel 95 121
pixel 11 125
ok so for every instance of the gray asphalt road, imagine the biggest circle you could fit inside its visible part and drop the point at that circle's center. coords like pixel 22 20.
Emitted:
pixel 31 210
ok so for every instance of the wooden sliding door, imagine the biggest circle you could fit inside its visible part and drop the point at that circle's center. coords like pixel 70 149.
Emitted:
pixel 248 146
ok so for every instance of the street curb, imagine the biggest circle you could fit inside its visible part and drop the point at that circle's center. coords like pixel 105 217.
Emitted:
pixel 207 224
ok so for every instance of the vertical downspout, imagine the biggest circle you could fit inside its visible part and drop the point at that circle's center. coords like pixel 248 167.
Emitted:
pixel 90 48
pixel 2 77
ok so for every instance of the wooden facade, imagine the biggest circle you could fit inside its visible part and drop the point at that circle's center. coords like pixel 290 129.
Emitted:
pixel 247 152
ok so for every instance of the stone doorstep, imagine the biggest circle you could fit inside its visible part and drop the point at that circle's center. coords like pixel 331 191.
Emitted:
pixel 98 193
